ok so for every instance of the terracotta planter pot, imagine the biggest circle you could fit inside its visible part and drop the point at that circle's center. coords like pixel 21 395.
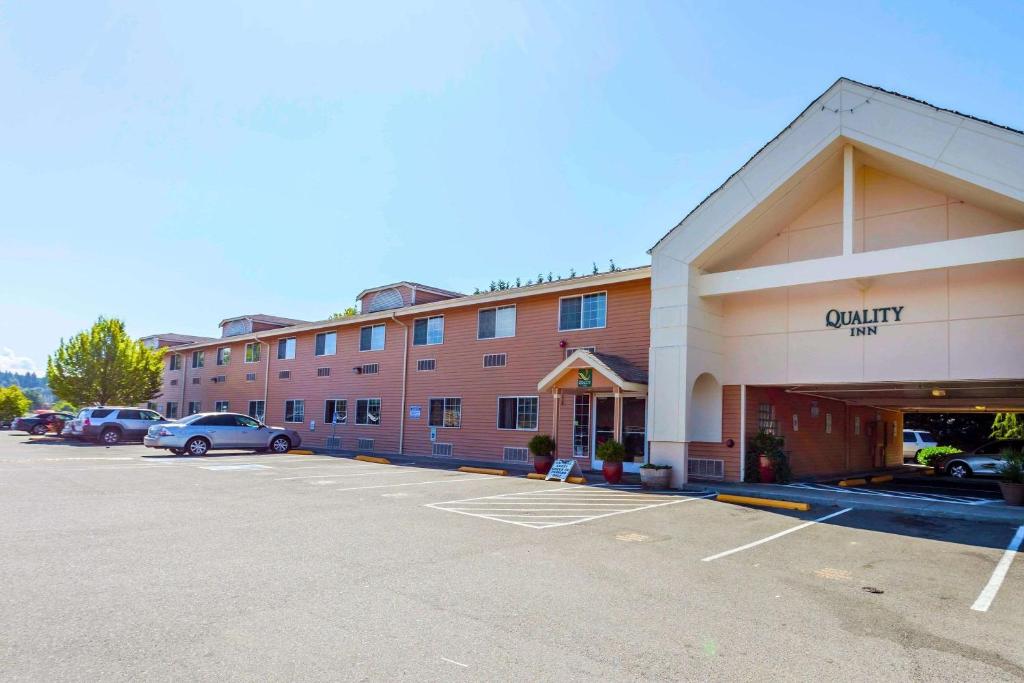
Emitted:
pixel 1013 494
pixel 612 472
pixel 655 479
pixel 765 470
pixel 542 463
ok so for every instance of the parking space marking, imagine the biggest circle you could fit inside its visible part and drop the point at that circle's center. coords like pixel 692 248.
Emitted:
pixel 450 480
pixel 563 506
pixel 775 536
pixel 356 474
pixel 241 466
pixel 933 497
pixel 988 593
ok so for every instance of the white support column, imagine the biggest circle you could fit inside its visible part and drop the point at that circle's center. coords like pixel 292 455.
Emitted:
pixel 848 185
pixel 743 432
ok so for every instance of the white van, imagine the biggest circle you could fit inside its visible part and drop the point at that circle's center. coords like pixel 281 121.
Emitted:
pixel 914 440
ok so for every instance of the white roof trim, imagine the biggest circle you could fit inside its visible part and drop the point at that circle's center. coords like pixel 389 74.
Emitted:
pixel 594 362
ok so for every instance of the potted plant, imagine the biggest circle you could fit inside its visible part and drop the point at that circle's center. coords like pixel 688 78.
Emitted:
pixel 542 447
pixel 1012 472
pixel 612 453
pixel 770 462
pixel 655 476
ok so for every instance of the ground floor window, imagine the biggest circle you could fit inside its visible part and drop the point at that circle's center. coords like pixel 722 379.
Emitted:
pixel 294 411
pixel 368 411
pixel 518 412
pixel 445 412
pixel 195 407
pixel 336 411
pixel 766 418
pixel 172 411
pixel 257 410
pixel 220 406
pixel 581 426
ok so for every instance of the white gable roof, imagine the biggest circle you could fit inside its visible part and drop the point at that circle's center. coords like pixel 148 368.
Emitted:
pixel 981 153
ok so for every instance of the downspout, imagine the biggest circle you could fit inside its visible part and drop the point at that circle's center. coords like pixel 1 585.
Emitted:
pixel 743 432
pixel 266 381
pixel 184 383
pixel 405 372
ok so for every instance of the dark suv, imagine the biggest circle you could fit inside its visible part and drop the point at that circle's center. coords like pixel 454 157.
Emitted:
pixel 113 425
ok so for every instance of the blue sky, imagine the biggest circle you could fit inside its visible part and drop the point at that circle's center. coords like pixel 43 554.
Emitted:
pixel 175 165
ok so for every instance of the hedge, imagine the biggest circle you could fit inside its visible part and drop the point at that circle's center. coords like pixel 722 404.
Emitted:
pixel 927 456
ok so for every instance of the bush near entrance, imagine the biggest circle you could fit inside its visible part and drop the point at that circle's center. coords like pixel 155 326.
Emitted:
pixel 772 447
pixel 927 456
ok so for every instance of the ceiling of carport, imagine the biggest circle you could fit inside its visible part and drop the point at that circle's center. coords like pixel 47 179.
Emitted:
pixel 935 397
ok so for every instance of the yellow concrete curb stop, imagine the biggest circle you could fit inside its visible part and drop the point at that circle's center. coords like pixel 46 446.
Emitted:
pixel 303 452
pixel 373 458
pixel 764 502
pixel 484 470
pixel 543 477
pixel 852 482
pixel 881 479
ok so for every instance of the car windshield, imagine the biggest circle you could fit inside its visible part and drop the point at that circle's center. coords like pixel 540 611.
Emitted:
pixel 927 436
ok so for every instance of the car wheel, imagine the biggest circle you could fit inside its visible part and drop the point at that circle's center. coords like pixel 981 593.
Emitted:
pixel 281 444
pixel 959 470
pixel 39 430
pixel 197 446
pixel 111 436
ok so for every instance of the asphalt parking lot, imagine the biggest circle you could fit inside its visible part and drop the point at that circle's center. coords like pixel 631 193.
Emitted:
pixel 119 563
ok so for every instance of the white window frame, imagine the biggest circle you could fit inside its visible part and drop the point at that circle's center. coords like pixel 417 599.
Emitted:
pixel 336 401
pixel 334 349
pixel 429 319
pixel 581 297
pixel 176 363
pixel 261 416
pixel 380 407
pixel 199 406
pixel 383 337
pixel 295 348
pixel 256 354
pixel 497 416
pixel 294 401
pixel 515 318
pixel 198 359
pixel 444 403
pixel 220 351
pixel 216 406
pixel 167 410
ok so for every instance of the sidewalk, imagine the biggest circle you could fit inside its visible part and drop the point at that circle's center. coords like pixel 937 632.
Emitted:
pixel 995 511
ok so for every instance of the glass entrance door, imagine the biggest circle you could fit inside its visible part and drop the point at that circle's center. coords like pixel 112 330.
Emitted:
pixel 633 429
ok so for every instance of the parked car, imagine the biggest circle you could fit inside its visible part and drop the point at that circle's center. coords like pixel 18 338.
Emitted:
pixel 982 461
pixel 914 440
pixel 41 423
pixel 111 425
pixel 200 433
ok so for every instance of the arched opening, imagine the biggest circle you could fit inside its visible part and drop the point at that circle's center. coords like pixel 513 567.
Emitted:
pixel 705 423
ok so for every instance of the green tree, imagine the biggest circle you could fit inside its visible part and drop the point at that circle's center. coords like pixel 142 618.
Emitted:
pixel 1007 426
pixel 64 407
pixel 347 313
pixel 104 366
pixel 35 397
pixel 13 403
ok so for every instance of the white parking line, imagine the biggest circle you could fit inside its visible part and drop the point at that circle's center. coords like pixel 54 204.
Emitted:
pixel 775 536
pixel 988 593
pixel 336 475
pixel 450 480
pixel 544 509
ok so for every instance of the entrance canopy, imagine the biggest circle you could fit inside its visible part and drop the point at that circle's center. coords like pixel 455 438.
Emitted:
pixel 935 397
pixel 593 371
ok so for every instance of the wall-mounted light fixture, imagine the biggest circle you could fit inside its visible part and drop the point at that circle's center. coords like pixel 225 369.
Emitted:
pixel 938 393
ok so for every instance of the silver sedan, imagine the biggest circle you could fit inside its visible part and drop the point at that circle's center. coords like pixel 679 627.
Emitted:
pixel 200 433
pixel 982 461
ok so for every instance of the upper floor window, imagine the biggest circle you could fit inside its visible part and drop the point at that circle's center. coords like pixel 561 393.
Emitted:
pixel 175 361
pixel 224 355
pixel 252 352
pixel 428 331
pixel 198 358
pixel 371 338
pixel 582 312
pixel 286 349
pixel 326 343
pixel 294 411
pixel 498 322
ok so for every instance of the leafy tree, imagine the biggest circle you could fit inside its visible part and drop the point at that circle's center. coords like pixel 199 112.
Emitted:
pixel 64 407
pixel 35 397
pixel 347 313
pixel 103 365
pixel 594 271
pixel 1007 426
pixel 611 266
pixel 13 403
pixel 963 430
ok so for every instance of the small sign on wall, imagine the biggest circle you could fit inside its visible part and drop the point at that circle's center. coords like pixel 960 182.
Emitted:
pixel 433 434
pixel 415 412
pixel 584 378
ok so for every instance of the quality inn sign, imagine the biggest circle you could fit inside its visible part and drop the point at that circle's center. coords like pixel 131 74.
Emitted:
pixel 863 322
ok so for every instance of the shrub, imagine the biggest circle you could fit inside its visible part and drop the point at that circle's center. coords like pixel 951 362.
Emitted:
pixel 652 466
pixel 611 451
pixel 771 446
pixel 928 456
pixel 1012 467
pixel 541 445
